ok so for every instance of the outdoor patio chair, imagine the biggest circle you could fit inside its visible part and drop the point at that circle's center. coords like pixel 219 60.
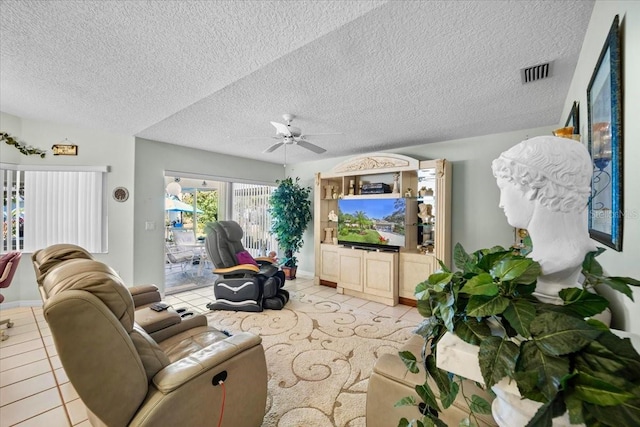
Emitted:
pixel 180 257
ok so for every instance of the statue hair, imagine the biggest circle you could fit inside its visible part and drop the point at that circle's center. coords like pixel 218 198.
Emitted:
pixel 558 170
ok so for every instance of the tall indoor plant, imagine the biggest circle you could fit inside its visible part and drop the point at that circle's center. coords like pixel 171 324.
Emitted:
pixel 290 209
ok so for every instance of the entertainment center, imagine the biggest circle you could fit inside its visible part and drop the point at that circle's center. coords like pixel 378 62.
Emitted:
pixel 381 223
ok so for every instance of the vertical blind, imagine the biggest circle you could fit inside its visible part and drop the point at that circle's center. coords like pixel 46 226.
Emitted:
pixel 251 211
pixel 54 207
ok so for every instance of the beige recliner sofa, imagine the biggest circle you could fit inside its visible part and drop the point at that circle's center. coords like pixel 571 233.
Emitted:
pixel 158 324
pixel 44 260
pixel 126 378
pixel 392 381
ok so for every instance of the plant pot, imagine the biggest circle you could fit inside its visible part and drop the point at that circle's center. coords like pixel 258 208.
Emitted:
pixel 290 272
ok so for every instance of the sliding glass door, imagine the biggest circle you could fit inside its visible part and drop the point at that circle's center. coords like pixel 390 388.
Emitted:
pixel 190 204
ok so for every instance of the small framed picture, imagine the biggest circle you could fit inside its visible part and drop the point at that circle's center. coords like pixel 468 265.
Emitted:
pixel 65 150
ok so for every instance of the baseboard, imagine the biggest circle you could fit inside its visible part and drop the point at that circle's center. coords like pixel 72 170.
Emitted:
pixel 328 283
pixel 16 304
pixel 407 301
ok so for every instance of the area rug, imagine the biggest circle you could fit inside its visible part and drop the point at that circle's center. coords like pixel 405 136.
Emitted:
pixel 319 355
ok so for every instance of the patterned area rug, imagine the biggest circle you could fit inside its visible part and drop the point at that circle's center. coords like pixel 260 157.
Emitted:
pixel 320 355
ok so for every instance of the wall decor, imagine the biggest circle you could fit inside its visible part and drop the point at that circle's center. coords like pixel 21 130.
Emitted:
pixel 65 149
pixel 574 118
pixel 604 113
pixel 27 150
pixel 120 194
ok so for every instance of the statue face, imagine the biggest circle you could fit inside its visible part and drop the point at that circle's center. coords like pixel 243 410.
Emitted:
pixel 516 204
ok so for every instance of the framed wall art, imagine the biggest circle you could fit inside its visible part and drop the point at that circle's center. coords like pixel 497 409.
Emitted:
pixel 574 118
pixel 604 113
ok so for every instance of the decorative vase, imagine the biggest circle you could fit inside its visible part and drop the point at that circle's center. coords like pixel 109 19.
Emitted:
pixel 328 191
pixel 328 235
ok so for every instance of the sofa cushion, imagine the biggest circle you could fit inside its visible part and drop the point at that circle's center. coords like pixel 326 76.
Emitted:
pixel 46 259
pixel 244 257
pixel 152 356
pixel 190 341
pixel 96 278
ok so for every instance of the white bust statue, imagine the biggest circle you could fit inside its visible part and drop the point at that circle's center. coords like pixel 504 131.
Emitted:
pixel 545 184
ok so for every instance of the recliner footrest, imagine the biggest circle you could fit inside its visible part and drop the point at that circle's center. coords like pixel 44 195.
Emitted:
pixel 228 305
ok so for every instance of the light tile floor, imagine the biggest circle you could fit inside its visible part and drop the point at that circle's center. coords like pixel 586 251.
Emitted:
pixel 35 391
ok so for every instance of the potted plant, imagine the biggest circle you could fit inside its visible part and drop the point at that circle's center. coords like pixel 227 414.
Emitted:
pixel 557 354
pixel 290 209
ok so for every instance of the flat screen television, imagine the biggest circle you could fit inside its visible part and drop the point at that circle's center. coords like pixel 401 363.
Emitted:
pixel 372 223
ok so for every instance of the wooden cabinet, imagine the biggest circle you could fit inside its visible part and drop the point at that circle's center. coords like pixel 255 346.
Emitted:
pixel 414 268
pixel 350 269
pixel 329 262
pixel 368 274
pixel 383 276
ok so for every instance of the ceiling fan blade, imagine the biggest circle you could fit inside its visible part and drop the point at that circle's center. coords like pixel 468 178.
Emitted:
pixel 320 134
pixel 273 147
pixel 281 128
pixel 310 146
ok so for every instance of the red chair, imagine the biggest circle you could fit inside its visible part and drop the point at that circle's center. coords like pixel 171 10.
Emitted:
pixel 8 265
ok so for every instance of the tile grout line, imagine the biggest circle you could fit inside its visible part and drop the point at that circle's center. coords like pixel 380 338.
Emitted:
pixel 53 371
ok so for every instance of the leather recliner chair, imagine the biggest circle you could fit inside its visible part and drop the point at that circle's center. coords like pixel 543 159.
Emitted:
pixel 47 259
pixel 241 286
pixel 391 381
pixel 126 378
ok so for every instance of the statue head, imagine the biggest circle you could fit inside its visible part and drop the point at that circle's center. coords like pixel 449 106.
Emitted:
pixel 556 172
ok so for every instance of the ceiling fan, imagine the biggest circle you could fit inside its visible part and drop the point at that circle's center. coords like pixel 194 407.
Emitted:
pixel 291 135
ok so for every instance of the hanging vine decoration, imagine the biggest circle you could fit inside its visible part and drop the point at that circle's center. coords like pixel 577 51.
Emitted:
pixel 27 150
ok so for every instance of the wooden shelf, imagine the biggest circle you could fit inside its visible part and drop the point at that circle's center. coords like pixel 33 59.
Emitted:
pixel 334 265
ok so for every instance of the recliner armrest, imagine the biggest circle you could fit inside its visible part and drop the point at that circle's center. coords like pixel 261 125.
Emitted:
pixel 180 372
pixel 144 295
pixel 184 325
pixel 238 269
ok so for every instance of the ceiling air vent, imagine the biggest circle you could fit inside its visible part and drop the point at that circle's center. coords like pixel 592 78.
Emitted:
pixel 536 72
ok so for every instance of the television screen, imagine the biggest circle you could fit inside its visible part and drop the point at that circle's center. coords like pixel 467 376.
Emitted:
pixel 372 222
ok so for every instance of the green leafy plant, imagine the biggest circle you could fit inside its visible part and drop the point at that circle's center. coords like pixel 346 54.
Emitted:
pixel 27 150
pixel 290 209
pixel 555 356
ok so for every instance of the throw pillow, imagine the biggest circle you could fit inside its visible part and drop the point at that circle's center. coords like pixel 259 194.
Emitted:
pixel 245 257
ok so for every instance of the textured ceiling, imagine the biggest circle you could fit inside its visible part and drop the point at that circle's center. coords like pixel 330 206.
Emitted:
pixel 213 74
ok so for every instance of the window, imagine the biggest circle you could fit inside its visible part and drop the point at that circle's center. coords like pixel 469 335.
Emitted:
pixel 43 207
pixel 251 211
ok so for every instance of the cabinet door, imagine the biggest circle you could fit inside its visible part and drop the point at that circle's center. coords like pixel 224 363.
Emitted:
pixel 414 268
pixel 329 263
pixel 350 269
pixel 380 274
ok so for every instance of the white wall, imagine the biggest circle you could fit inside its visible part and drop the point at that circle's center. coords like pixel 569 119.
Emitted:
pixel 625 263
pixel 138 165
pixel 94 148
pixel 152 159
pixel 477 221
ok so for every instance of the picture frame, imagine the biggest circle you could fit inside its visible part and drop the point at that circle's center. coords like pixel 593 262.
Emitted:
pixel 65 149
pixel 574 118
pixel 604 115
